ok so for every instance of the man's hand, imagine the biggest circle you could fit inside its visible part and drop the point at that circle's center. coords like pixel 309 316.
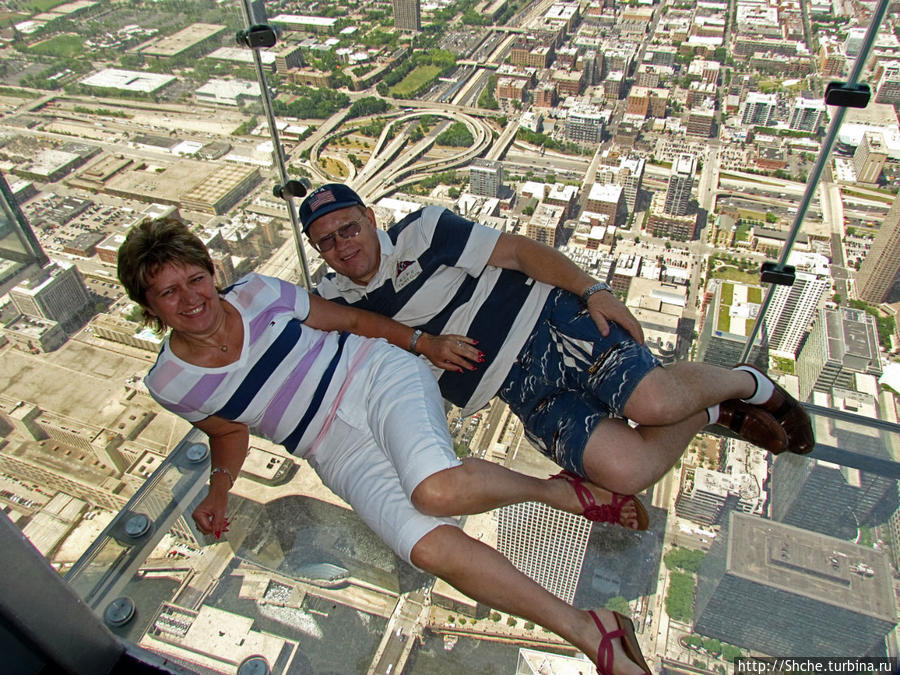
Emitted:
pixel 210 513
pixel 450 352
pixel 605 307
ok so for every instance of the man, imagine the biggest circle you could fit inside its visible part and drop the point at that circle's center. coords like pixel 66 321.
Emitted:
pixel 552 342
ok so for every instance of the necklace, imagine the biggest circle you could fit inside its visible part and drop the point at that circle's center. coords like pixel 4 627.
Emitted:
pixel 221 347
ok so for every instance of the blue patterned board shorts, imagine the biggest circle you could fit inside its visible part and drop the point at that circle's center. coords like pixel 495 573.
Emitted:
pixel 569 378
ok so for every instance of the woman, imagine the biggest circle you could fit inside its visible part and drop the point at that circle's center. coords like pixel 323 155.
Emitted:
pixel 264 357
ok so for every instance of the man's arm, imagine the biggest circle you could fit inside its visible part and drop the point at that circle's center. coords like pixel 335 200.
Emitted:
pixel 546 264
pixel 450 352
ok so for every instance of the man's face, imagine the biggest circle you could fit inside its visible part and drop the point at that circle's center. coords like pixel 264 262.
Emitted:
pixel 356 257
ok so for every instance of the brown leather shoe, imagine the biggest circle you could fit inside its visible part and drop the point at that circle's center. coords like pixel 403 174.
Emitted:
pixel 753 424
pixel 790 415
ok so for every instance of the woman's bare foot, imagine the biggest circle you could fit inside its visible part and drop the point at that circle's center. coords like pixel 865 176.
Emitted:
pixel 597 504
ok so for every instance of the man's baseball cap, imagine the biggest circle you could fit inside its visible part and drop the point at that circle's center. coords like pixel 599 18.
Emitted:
pixel 328 198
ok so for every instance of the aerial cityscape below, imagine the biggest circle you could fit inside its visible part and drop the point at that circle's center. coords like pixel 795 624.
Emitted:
pixel 664 146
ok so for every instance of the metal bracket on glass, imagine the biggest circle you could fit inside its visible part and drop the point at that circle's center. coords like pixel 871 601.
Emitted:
pixel 773 273
pixel 848 95
pixel 258 36
pixel 293 188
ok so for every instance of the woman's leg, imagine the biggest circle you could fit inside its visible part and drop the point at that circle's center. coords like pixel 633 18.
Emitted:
pixel 407 419
pixel 486 576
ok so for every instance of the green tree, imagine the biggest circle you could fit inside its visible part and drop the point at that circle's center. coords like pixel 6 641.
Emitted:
pixel 619 604
pixel 370 105
pixel 685 559
pixel 680 596
pixel 457 136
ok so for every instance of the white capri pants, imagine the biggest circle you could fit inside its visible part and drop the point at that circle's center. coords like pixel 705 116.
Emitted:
pixel 389 433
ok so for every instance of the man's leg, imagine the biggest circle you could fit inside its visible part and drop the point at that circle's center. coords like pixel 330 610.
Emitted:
pixel 486 576
pixel 674 393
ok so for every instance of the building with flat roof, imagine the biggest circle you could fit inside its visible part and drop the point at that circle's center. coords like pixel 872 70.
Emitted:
pixel 729 320
pixel 878 275
pixel 407 15
pixel 842 343
pixel 546 544
pixel 56 293
pixel 128 80
pixel 606 199
pixel 221 190
pixel 187 41
pixel 707 496
pixel 228 92
pixel 807 114
pixel 758 109
pixel 486 178
pixel 681 182
pixel 545 225
pixel 584 124
pixel 870 157
pixel 833 597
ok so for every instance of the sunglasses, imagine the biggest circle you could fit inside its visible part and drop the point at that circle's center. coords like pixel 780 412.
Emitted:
pixel 328 242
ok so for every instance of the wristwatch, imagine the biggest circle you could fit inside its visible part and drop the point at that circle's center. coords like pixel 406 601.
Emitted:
pixel 596 288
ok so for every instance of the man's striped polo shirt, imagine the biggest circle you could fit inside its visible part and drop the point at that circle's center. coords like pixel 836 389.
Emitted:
pixel 434 276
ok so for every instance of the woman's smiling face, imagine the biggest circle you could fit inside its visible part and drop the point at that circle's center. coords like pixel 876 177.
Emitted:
pixel 184 297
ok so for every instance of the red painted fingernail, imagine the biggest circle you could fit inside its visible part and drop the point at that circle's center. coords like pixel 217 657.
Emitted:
pixel 218 534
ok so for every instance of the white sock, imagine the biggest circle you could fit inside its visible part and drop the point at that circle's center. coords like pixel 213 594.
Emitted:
pixel 713 413
pixel 764 387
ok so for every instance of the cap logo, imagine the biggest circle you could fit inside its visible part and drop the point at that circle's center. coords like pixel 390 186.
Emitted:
pixel 320 198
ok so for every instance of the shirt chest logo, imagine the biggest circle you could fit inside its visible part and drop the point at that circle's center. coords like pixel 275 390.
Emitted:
pixel 406 271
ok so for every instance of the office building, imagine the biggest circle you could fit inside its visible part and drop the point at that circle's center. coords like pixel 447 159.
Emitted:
pixel 792 310
pixel 606 200
pixel 759 109
pixel 546 544
pixel 546 224
pixel 56 293
pixel 831 499
pixel 485 178
pixel 807 114
pixel 777 589
pixel 407 15
pixel 584 124
pixel 730 318
pixel 659 223
pixel 708 496
pixel 681 181
pixel 629 173
pixel 878 272
pixel 888 89
pixel 870 157
pixel 842 343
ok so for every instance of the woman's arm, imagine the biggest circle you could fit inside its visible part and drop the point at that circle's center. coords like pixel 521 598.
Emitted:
pixel 228 443
pixel 450 352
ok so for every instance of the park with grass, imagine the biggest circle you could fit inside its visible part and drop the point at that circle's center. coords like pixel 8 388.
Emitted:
pixel 65 45
pixel 416 80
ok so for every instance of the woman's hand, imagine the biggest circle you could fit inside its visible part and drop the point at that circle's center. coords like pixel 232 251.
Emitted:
pixel 210 513
pixel 450 352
